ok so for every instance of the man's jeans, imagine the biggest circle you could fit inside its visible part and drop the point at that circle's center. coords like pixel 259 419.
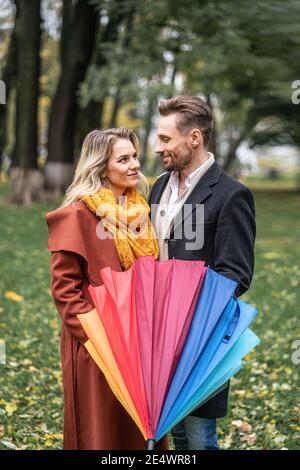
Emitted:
pixel 194 433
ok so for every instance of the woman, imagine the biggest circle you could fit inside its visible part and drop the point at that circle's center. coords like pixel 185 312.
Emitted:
pixel 108 169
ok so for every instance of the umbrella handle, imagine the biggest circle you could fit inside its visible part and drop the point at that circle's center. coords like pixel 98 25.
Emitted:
pixel 232 325
pixel 151 444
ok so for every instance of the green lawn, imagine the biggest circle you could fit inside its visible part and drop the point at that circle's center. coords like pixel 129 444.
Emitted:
pixel 286 182
pixel 264 411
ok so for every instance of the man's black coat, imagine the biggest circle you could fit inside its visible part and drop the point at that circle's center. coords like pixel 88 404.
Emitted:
pixel 229 235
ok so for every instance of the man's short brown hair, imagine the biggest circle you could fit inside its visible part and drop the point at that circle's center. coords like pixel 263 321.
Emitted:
pixel 191 112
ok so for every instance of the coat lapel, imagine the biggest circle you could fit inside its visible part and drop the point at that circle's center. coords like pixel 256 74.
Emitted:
pixel 157 193
pixel 203 189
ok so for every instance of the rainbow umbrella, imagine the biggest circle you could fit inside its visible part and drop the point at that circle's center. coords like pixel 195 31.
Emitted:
pixel 157 332
pixel 215 364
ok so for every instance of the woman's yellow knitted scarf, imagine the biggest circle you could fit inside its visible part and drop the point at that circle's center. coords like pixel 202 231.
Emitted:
pixel 128 222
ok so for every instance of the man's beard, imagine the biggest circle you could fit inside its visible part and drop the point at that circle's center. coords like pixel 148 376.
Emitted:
pixel 177 162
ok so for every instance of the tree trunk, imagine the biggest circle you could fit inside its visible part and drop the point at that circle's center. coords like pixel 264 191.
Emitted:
pixel 148 128
pixel 125 45
pixel 8 77
pixel 90 117
pixel 62 123
pixel 245 130
pixel 231 156
pixel 157 166
pixel 67 18
pixel 115 108
pixel 28 185
pixel 27 179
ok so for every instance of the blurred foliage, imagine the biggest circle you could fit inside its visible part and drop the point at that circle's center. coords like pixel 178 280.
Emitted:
pixel 241 56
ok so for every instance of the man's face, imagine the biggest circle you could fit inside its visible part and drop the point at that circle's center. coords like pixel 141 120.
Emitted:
pixel 174 149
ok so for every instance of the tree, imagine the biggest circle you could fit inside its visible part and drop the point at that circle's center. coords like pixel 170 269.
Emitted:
pixel 79 28
pixel 92 104
pixel 8 76
pixel 133 76
pixel 27 179
pixel 246 68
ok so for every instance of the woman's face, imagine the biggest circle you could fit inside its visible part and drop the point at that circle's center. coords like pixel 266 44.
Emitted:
pixel 122 169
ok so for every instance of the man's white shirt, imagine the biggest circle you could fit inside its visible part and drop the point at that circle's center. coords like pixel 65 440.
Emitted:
pixel 171 203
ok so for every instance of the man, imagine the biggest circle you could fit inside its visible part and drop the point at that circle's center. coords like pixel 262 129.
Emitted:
pixel 225 238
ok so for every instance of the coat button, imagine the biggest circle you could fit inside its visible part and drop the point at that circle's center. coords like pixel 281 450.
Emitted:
pixel 162 212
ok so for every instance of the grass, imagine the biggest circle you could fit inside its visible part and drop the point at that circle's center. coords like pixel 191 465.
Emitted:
pixel 286 182
pixel 264 412
pixel 266 393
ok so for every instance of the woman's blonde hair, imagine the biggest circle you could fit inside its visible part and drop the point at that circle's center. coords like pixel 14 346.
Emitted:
pixel 96 150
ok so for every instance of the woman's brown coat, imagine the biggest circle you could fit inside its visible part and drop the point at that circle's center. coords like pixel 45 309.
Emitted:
pixel 93 417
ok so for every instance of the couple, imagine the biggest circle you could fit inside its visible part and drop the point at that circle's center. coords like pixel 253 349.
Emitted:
pixel 107 170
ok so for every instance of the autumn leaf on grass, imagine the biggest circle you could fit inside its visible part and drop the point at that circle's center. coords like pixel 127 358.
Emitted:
pixel 54 436
pixel 295 427
pixel 10 408
pixel 226 443
pixel 271 255
pixel 9 445
pixel 11 295
pixel 54 324
pixel 242 426
pixel 249 438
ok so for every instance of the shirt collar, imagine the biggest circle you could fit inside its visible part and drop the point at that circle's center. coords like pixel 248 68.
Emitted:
pixel 174 180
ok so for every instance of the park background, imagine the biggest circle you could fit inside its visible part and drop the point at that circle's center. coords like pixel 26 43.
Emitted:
pixel 71 66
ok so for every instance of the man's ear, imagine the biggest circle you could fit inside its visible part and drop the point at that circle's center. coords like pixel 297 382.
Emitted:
pixel 196 138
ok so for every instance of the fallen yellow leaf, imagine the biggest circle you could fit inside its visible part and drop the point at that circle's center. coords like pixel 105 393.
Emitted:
pixel 11 295
pixel 53 436
pixel 10 408
pixel 54 324
pixel 271 255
